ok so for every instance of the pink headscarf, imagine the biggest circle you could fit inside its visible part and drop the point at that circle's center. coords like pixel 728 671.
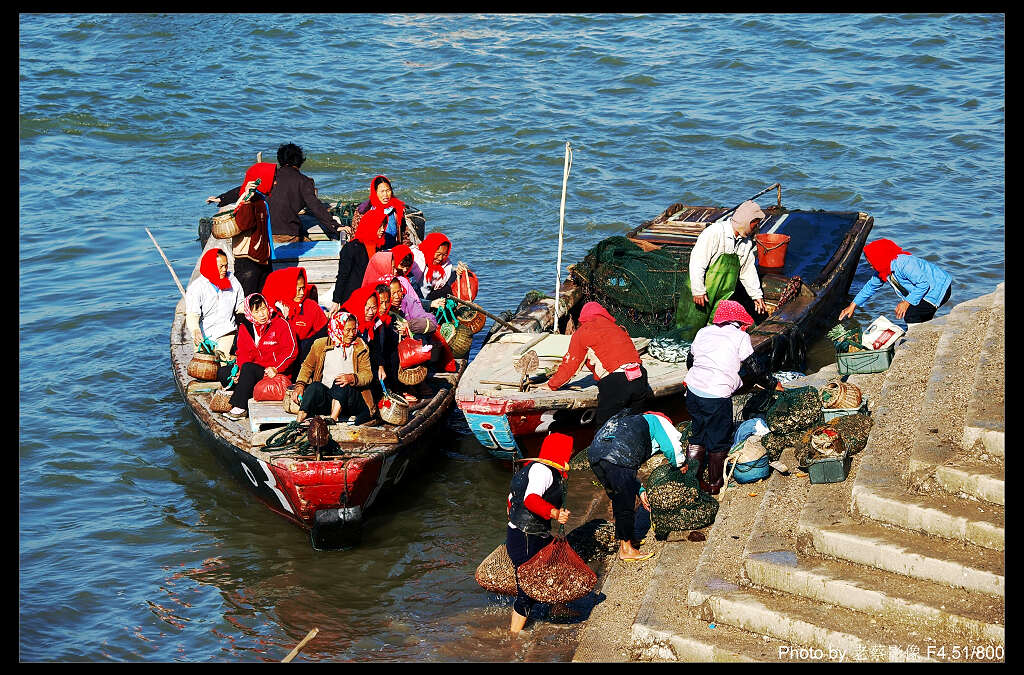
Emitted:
pixel 730 310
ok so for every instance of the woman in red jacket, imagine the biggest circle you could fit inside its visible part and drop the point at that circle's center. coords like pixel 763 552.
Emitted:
pixel 287 291
pixel 264 354
pixel 609 353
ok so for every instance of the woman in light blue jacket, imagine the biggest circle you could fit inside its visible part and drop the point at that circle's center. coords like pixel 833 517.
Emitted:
pixel 922 286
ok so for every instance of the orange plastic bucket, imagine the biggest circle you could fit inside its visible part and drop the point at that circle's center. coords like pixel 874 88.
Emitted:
pixel 771 249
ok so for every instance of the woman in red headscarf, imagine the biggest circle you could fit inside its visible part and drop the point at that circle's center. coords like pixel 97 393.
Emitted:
pixel 354 257
pixel 431 270
pixel 534 500
pixel 287 290
pixel 363 304
pixel 921 286
pixel 607 350
pixel 393 263
pixel 211 301
pixel 384 207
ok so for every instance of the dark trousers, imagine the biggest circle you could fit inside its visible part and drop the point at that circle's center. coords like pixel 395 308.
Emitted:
pixel 316 400
pixel 521 547
pixel 248 375
pixel 251 275
pixel 621 485
pixel 615 393
pixel 924 310
pixel 712 422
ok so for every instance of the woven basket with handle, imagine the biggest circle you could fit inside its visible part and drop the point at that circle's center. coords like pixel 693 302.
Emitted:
pixel 412 376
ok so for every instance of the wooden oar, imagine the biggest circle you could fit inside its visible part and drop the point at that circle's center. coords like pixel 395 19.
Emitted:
pixel 309 636
pixel 473 305
pixel 166 261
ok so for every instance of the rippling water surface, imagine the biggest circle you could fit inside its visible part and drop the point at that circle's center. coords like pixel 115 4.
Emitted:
pixel 134 543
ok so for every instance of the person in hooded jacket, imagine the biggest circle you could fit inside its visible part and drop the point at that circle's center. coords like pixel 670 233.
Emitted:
pixel 620 447
pixel 607 350
pixel 921 286
pixel 335 376
pixel 287 290
pixel 384 206
pixel 211 301
pixel 718 355
pixel 352 260
pixel 269 350
pixel 535 498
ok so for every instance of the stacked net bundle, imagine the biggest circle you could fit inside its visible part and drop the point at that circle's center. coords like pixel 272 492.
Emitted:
pixel 641 289
pixel 677 502
pixel 556 574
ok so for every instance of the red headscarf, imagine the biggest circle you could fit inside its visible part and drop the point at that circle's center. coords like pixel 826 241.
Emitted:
pixel 429 246
pixel 880 254
pixel 366 232
pixel 376 213
pixel 208 268
pixel 280 287
pixel 386 316
pixel 356 305
pixel 556 451
pixel 592 309
pixel 398 253
pixel 730 310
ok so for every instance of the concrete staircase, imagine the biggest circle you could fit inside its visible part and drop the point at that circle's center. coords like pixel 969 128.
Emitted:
pixel 901 562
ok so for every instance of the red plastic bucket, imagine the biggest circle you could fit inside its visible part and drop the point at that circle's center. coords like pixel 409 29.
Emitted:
pixel 771 249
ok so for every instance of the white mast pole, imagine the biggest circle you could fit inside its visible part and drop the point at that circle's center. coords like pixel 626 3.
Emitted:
pixel 561 226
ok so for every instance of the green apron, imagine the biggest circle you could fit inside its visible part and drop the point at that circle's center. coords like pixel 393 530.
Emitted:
pixel 720 282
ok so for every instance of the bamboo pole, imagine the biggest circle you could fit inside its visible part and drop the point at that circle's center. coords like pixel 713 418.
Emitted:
pixel 168 262
pixel 293 653
pixel 473 305
pixel 561 225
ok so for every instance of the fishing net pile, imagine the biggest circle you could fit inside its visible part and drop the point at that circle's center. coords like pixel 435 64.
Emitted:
pixel 677 502
pixel 641 289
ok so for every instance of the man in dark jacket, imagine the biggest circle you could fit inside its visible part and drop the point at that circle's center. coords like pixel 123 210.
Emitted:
pixel 292 191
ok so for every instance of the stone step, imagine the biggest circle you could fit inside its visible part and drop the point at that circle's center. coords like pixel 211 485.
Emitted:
pixel 984 480
pixel 948 615
pixel 828 632
pixel 986 415
pixel 940 515
pixel 866 542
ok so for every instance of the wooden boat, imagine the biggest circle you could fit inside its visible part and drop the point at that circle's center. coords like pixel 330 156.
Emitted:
pixel 510 418
pixel 328 496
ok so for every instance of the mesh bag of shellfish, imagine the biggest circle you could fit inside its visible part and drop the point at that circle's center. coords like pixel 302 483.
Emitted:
pixel 795 409
pixel 496 573
pixel 556 574
pixel 677 502
pixel 854 430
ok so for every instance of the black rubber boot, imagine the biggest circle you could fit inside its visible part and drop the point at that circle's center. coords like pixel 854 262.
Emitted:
pixel 716 466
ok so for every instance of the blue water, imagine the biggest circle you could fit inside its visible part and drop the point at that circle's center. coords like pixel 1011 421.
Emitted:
pixel 134 544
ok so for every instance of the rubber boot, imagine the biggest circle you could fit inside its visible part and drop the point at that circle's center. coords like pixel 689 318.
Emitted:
pixel 716 465
pixel 695 458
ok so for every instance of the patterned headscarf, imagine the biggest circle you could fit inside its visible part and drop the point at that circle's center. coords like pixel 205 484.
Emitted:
pixel 247 310
pixel 335 326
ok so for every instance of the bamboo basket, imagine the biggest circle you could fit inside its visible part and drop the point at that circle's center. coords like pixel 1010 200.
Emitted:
pixel 397 412
pixel 224 225
pixel 460 341
pixel 412 376
pixel 203 367
pixel 288 404
pixel 220 401
pixel 839 394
